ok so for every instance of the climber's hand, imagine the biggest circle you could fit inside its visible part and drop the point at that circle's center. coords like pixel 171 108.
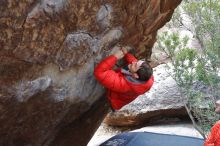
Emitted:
pixel 124 50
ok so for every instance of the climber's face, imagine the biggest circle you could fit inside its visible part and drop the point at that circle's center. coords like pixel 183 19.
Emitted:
pixel 217 109
pixel 135 66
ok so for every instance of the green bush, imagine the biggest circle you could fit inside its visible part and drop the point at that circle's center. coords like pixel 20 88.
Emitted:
pixel 190 68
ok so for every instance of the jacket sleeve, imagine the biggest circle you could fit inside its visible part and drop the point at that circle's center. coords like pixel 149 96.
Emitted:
pixel 211 137
pixel 108 77
pixel 129 58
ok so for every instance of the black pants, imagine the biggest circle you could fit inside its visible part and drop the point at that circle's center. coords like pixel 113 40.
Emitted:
pixel 110 105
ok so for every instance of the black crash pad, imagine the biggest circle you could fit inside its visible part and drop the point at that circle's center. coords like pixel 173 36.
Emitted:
pixel 152 139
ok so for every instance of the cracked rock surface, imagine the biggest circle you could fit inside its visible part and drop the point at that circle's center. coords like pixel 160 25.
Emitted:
pixel 48 51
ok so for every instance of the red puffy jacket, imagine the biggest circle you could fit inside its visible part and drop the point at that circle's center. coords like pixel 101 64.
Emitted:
pixel 120 91
pixel 214 137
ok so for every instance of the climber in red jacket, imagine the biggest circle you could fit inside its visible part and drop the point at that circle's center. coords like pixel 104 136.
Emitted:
pixel 124 85
pixel 214 136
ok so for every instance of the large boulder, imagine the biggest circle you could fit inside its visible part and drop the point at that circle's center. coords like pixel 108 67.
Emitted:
pixel 163 100
pixel 48 50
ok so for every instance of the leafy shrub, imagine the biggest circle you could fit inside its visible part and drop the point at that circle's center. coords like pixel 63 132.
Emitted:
pixel 191 72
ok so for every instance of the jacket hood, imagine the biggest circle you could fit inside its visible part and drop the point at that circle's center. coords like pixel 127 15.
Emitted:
pixel 140 87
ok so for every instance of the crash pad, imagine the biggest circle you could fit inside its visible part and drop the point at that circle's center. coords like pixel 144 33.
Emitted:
pixel 152 139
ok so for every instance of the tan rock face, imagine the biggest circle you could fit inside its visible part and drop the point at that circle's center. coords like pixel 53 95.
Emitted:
pixel 48 50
